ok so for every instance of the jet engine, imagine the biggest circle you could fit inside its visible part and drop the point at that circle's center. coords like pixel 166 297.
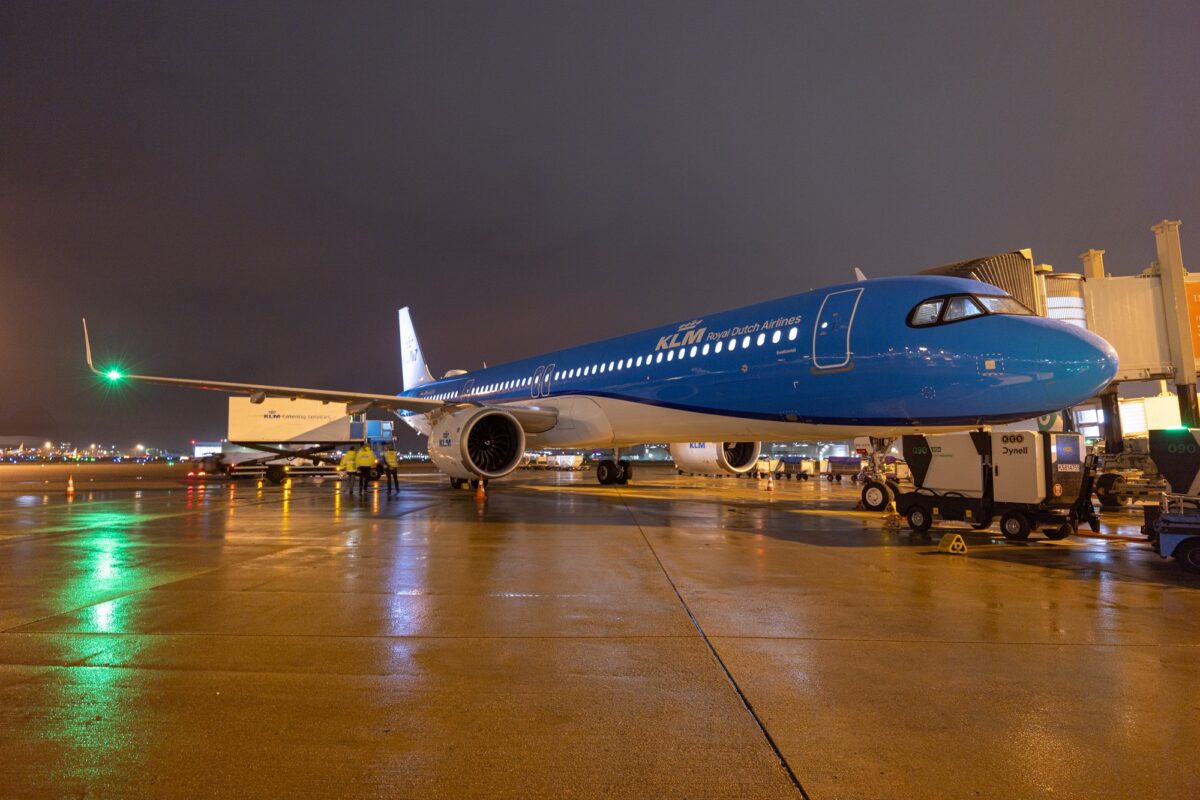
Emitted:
pixel 711 457
pixel 477 443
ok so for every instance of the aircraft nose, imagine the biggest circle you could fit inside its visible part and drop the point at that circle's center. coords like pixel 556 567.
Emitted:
pixel 1081 365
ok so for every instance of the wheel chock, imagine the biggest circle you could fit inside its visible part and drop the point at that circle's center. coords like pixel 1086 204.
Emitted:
pixel 892 521
pixel 952 543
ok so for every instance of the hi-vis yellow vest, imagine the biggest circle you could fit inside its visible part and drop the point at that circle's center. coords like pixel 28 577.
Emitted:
pixel 390 457
pixel 366 458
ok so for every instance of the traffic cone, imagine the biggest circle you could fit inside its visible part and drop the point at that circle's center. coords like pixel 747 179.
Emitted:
pixel 70 484
pixel 770 481
pixel 480 491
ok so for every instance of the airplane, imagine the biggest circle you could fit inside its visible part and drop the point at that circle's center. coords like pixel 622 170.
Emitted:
pixel 884 357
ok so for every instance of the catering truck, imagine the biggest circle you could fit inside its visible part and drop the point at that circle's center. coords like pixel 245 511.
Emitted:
pixel 280 439
pixel 1027 478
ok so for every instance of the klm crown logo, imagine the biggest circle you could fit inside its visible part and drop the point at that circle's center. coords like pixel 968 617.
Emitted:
pixel 687 333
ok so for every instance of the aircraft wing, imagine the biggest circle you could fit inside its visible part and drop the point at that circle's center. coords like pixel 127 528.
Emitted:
pixel 531 418
pixel 356 402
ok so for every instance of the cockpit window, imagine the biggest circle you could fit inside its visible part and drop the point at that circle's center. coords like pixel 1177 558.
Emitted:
pixel 961 308
pixel 927 312
pixel 955 308
pixel 1004 305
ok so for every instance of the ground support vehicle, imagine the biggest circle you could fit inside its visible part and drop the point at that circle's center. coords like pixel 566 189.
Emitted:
pixel 1027 478
pixel 795 467
pixel 1128 477
pixel 840 467
pixel 766 466
pixel 1174 529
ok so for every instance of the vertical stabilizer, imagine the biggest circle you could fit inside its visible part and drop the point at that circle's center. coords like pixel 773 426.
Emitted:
pixel 412 363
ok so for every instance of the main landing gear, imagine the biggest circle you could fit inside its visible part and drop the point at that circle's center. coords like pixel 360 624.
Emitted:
pixel 610 472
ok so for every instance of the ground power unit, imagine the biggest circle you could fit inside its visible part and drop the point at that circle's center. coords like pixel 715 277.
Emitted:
pixel 1026 478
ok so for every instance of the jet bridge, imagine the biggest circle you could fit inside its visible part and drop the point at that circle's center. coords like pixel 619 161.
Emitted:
pixel 1152 319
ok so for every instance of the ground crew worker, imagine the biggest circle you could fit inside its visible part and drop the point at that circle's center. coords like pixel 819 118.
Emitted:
pixel 390 462
pixel 366 461
pixel 349 465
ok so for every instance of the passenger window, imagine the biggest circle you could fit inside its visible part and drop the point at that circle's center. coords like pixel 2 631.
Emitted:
pixel 670 355
pixel 762 337
pixel 792 334
pixel 961 308
pixel 658 359
pixel 704 352
pixel 732 345
pixel 639 361
pixel 719 346
pixel 776 336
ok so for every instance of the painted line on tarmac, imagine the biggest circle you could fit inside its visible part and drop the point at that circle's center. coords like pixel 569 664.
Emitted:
pixel 783 762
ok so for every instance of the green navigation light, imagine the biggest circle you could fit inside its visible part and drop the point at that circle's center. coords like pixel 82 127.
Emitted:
pixel 113 375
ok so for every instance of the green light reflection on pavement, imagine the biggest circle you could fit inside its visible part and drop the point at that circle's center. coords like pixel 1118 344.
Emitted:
pixel 91 718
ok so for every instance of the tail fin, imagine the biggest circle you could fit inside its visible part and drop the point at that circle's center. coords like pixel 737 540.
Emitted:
pixel 412 363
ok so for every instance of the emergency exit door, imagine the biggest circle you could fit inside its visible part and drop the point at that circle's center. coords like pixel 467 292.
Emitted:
pixel 831 331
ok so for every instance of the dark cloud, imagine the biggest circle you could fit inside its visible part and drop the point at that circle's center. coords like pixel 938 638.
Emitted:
pixel 249 192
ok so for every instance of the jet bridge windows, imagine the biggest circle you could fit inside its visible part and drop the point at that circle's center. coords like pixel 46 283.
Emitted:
pixel 959 307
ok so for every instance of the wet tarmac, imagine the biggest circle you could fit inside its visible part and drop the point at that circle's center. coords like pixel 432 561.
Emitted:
pixel 680 637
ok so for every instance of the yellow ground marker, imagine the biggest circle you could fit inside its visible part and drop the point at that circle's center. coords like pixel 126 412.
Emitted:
pixel 952 543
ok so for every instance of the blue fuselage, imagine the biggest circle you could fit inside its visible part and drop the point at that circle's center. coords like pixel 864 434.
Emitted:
pixel 849 356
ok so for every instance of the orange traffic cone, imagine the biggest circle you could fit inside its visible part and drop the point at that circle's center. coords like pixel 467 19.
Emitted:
pixel 770 481
pixel 70 484
pixel 480 491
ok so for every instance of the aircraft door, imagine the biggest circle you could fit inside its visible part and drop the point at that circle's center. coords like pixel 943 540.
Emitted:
pixel 467 388
pixel 535 388
pixel 831 331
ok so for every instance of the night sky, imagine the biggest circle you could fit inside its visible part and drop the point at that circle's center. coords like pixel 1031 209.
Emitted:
pixel 249 192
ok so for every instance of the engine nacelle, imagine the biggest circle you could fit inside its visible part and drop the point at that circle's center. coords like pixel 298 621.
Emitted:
pixel 709 457
pixel 477 442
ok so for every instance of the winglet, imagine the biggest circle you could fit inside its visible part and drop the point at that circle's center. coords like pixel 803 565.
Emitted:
pixel 87 349
pixel 858 275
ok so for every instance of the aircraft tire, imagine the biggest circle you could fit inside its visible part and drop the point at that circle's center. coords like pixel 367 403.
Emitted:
pixel 1015 526
pixel 606 472
pixel 624 472
pixel 458 483
pixel 875 496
